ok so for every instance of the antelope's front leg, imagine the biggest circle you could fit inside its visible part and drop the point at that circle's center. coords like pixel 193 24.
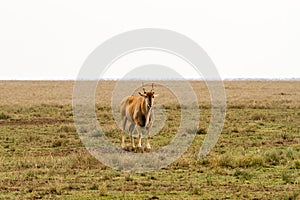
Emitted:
pixel 123 140
pixel 148 139
pixel 132 140
pixel 139 135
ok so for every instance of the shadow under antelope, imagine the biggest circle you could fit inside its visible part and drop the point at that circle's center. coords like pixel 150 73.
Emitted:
pixel 138 111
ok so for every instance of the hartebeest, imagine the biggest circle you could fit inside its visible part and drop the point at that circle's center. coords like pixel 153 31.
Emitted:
pixel 138 111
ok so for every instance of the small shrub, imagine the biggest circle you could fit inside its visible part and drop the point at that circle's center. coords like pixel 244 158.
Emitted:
pixel 286 136
pixel 183 163
pixel 30 174
pixel 249 161
pixel 225 160
pixel 4 116
pixel 58 143
pixel 242 174
pixel 291 196
pixel 94 187
pixel 287 178
pixel 235 130
pixel 208 180
pixel 146 184
pixel 272 157
pixel 201 131
pixel 297 164
pixel 128 178
pixel 102 189
pixel 82 130
pixel 81 160
pixel 256 161
pixel 97 133
pixel 196 191
pixel 192 130
pixel 290 153
pixel 55 190
pixel 257 117
pixel 109 133
pixel 67 129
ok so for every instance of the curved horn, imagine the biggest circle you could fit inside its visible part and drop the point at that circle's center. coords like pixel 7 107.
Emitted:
pixel 143 87
pixel 152 87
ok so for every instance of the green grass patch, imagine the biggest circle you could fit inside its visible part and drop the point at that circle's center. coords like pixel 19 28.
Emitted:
pixel 257 157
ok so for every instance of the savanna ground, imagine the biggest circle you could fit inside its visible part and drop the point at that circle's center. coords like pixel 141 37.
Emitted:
pixel 257 155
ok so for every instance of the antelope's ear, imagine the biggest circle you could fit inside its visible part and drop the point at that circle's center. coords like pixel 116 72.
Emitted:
pixel 156 95
pixel 143 95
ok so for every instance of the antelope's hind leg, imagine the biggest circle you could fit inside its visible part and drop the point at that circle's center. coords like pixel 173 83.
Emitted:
pixel 124 121
pixel 131 130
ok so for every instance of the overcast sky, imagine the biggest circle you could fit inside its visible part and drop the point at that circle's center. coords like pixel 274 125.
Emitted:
pixel 245 39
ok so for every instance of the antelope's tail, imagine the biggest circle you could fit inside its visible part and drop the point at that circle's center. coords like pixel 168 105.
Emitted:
pixel 123 105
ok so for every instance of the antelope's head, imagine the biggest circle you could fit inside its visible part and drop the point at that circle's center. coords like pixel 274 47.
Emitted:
pixel 149 97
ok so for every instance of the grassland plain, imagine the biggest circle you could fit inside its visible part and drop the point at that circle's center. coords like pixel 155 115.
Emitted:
pixel 256 157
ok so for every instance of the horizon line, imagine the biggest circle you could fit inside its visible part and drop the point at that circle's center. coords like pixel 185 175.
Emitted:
pixel 116 79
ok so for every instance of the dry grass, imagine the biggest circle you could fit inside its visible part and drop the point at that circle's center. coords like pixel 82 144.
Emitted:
pixel 256 157
pixel 240 94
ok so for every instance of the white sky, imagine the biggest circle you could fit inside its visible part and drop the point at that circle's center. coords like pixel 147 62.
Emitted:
pixel 245 39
